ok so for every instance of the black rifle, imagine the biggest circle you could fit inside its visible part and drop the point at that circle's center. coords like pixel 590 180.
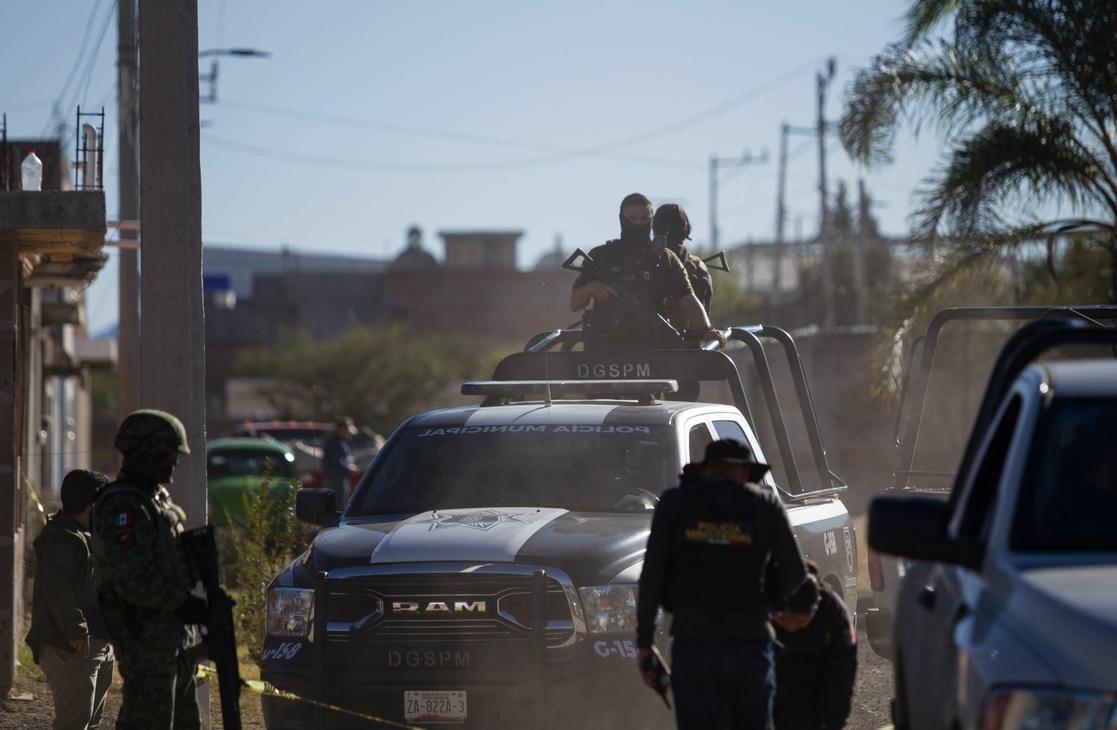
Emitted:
pixel 628 303
pixel 218 632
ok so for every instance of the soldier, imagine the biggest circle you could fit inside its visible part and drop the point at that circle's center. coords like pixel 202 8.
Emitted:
pixel 652 273
pixel 671 222
pixel 68 638
pixel 143 579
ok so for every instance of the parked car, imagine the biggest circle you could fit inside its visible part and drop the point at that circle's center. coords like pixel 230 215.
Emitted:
pixel 1006 616
pixel 236 466
pixel 305 439
pixel 485 570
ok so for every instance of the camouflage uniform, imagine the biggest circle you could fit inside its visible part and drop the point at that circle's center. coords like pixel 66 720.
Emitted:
pixel 143 579
pixel 700 281
pixel 672 223
pixel 652 277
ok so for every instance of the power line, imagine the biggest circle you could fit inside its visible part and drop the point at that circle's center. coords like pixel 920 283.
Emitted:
pixel 725 106
pixel 444 167
pixel 562 153
pixel 93 58
pixel 81 51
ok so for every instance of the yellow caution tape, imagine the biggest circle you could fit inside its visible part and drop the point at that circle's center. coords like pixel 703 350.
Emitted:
pixel 270 690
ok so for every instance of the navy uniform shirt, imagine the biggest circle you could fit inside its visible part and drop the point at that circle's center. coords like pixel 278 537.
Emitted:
pixel 816 669
pixel 708 558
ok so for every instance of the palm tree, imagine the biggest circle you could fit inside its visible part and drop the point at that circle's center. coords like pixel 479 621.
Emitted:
pixel 1025 93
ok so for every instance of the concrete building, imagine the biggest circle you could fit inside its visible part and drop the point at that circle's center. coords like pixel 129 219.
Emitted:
pixel 51 243
pixel 474 291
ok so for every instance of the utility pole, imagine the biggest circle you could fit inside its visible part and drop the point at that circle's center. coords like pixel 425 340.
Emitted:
pixel 211 77
pixel 173 323
pixel 824 222
pixel 781 195
pixel 745 159
pixel 172 361
pixel 860 276
pixel 128 273
pixel 781 209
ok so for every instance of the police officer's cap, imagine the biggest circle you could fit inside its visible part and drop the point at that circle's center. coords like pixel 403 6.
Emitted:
pixel 78 489
pixel 148 432
pixel 732 451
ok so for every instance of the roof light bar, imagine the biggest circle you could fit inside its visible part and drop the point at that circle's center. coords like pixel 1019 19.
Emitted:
pixel 564 387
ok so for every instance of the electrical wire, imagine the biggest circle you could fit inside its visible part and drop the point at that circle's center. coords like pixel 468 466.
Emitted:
pixel 439 167
pixel 561 153
pixel 93 57
pixel 750 95
pixel 81 52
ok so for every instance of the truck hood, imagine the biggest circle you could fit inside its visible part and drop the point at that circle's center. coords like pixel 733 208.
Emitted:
pixel 1071 615
pixel 592 548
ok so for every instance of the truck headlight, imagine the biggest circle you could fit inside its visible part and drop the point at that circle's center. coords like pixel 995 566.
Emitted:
pixel 610 609
pixel 1037 708
pixel 289 611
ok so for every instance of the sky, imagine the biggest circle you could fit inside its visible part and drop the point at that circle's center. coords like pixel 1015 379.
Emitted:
pixel 370 116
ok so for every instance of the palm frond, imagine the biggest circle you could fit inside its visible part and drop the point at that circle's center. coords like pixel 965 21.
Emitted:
pixel 940 85
pixel 923 16
pixel 1004 169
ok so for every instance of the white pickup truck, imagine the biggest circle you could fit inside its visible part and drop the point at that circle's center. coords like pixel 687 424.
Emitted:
pixel 1007 615
pixel 943 385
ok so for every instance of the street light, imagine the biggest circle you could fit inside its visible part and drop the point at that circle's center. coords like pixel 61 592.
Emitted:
pixel 211 77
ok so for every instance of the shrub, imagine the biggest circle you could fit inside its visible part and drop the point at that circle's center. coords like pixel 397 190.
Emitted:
pixel 268 539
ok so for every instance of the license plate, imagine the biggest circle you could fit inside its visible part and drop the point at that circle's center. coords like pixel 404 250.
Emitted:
pixel 432 706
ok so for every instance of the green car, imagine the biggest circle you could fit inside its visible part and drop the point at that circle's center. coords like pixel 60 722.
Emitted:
pixel 236 466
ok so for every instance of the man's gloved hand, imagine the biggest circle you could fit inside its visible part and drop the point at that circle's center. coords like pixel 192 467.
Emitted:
pixel 193 611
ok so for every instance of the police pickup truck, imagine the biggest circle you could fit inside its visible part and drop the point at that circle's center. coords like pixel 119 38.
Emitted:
pixel 1007 615
pixel 484 572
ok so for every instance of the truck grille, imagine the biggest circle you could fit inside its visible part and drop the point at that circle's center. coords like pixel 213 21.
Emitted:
pixel 455 607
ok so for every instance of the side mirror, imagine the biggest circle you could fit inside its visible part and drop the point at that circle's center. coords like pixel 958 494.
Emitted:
pixel 317 507
pixel 914 526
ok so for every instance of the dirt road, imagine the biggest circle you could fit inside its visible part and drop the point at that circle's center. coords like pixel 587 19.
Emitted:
pixel 35 712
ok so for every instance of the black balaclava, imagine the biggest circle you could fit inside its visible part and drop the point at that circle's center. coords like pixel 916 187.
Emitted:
pixel 632 232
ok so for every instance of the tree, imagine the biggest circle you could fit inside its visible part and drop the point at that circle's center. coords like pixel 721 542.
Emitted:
pixel 377 376
pixel 1025 92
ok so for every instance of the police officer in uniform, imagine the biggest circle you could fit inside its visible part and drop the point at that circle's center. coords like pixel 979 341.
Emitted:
pixel 143 579
pixel 713 546
pixel 671 222
pixel 68 639
pixel 645 268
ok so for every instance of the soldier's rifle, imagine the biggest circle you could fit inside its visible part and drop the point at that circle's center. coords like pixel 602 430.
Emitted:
pixel 219 633
pixel 627 302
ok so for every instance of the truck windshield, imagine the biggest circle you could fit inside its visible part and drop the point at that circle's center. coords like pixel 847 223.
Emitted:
pixel 1070 503
pixel 579 467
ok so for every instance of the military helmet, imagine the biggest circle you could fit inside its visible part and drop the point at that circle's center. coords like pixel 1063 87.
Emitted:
pixel 671 220
pixel 149 432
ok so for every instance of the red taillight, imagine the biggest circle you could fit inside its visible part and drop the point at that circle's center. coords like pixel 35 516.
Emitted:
pixel 876 570
pixel 996 707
